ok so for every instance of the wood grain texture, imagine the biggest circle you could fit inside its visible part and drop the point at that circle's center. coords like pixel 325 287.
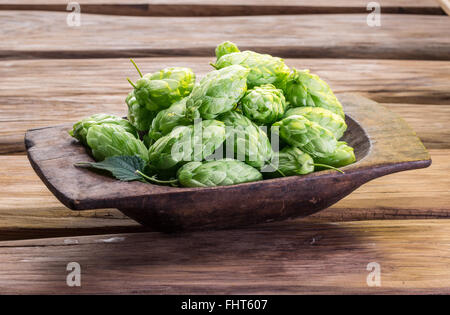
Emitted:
pixel 221 8
pixel 430 122
pixel 269 3
pixel 383 144
pixel 407 195
pixel 32 34
pixel 59 91
pixel 294 257
pixel 29 210
pixel 342 3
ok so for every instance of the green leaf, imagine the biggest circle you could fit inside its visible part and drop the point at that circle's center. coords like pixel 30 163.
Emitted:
pixel 122 167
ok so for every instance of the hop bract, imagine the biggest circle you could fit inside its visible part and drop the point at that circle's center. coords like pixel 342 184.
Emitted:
pixel 81 128
pixel 138 115
pixel 291 161
pixel 327 119
pixel 169 118
pixel 225 48
pixel 187 143
pixel 217 173
pixel 246 141
pixel 341 156
pixel 264 104
pixel 264 69
pixel 161 89
pixel 309 136
pixel 305 89
pixel 218 92
pixel 112 140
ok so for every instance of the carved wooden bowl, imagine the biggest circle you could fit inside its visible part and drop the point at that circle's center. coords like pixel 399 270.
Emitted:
pixel 383 144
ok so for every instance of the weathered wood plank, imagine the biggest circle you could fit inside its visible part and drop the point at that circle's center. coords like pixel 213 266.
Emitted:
pixel 60 91
pixel 409 195
pixel 29 210
pixel 220 8
pixel 445 5
pixel 430 122
pixel 291 257
pixel 32 34
pixel 269 3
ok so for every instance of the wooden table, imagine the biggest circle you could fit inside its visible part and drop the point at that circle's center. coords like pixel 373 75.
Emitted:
pixel 52 73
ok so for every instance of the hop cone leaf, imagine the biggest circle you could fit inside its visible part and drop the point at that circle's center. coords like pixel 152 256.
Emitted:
pixel 122 167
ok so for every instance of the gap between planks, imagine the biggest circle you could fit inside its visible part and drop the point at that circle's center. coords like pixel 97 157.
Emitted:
pixel 231 8
pixel 33 34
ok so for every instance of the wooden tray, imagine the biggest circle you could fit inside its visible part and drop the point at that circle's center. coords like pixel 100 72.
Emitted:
pixel 383 144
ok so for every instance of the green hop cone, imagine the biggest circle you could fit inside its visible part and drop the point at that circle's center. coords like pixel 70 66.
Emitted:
pixel 305 89
pixel 343 155
pixel 161 89
pixel 187 143
pixel 246 140
pixel 81 128
pixel 114 140
pixel 139 116
pixel 264 104
pixel 225 48
pixel 264 69
pixel 291 161
pixel 167 119
pixel 218 92
pixel 307 135
pixel 217 173
pixel 327 119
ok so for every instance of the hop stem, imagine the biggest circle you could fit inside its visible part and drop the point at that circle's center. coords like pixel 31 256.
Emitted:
pixel 277 170
pixel 330 167
pixel 158 181
pixel 131 82
pixel 82 164
pixel 214 65
pixel 281 173
pixel 137 68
